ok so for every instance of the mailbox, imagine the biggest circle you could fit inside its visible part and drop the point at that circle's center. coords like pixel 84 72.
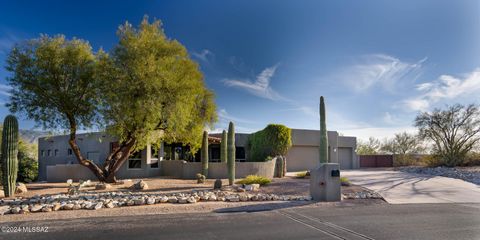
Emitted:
pixel 335 173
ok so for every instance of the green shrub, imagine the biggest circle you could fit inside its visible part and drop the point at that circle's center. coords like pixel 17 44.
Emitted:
pixel 251 179
pixel 273 140
pixel 27 170
pixel 344 181
pixel 301 174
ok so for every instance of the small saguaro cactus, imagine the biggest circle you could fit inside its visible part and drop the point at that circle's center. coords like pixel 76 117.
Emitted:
pixel 204 154
pixel 223 147
pixel 231 153
pixel 9 154
pixel 323 149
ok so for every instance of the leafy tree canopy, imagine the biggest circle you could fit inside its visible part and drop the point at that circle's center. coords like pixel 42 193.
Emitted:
pixel 273 140
pixel 454 131
pixel 147 89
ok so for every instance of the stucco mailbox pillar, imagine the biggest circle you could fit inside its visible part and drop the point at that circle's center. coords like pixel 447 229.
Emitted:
pixel 325 183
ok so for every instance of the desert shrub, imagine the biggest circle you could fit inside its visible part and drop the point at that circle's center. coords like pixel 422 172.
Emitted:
pixel 344 181
pixel 431 160
pixel 473 159
pixel 401 160
pixel 251 179
pixel 27 170
pixel 273 140
pixel 301 174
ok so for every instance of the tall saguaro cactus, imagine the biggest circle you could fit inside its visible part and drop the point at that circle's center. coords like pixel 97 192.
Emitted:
pixel 231 153
pixel 323 149
pixel 9 154
pixel 223 147
pixel 204 154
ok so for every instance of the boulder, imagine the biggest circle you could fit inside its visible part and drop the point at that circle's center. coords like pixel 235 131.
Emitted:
pixel 191 200
pixel 36 208
pixel 150 201
pixel 140 185
pixel 164 199
pixel 200 178
pixel 20 188
pixel 103 186
pixel 252 187
pixel 4 210
pixel 98 206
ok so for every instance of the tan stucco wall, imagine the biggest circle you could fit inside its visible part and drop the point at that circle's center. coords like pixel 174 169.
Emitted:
pixel 189 170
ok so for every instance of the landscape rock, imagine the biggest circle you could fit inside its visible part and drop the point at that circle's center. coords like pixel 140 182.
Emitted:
pixel 150 201
pixel 182 200
pixel 20 188
pixel 252 187
pixel 36 208
pixel 4 210
pixel 98 206
pixel 103 186
pixel 140 185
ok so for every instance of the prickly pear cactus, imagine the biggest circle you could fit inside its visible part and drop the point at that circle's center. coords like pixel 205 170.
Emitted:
pixel 204 154
pixel 223 147
pixel 323 149
pixel 231 153
pixel 9 154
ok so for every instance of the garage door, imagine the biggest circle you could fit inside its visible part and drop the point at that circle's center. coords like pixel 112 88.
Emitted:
pixel 345 158
pixel 301 158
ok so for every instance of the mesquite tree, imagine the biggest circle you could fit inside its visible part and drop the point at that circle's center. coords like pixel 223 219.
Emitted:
pixel 453 131
pixel 146 90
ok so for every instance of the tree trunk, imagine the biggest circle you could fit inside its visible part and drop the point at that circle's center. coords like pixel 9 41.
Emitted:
pixel 113 162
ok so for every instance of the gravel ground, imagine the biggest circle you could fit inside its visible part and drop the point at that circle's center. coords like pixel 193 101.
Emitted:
pixel 469 174
pixel 288 186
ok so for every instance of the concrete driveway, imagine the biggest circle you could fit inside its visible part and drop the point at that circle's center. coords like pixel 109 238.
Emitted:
pixel 400 187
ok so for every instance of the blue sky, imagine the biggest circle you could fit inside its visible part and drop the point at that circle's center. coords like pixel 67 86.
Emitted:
pixel 376 62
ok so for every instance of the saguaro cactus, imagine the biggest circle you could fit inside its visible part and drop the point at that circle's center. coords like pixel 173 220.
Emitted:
pixel 323 149
pixel 231 153
pixel 204 154
pixel 9 154
pixel 223 147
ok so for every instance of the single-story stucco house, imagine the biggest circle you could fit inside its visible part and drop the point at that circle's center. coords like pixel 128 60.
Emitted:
pixel 58 163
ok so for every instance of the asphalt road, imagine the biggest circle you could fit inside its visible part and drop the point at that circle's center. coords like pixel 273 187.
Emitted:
pixel 410 221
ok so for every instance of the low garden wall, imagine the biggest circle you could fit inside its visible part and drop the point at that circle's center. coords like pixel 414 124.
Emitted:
pixel 173 168
pixel 188 170
pixel 62 172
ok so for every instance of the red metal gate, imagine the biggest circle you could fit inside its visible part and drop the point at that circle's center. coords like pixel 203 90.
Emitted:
pixel 373 161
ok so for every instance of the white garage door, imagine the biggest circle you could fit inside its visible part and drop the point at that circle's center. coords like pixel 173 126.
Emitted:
pixel 345 158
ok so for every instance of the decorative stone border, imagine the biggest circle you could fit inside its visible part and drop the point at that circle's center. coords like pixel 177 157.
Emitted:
pixel 95 201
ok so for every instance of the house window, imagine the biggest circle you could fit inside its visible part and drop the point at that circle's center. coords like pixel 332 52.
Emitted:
pixel 154 164
pixel 69 152
pixel 56 152
pixel 135 160
pixel 49 152
pixel 239 153
pixel 42 153
pixel 215 153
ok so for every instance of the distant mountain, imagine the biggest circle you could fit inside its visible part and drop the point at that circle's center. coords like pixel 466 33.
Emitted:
pixel 32 135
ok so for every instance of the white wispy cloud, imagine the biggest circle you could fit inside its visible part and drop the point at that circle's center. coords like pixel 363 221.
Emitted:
pixel 7 40
pixel 5 90
pixel 260 87
pixel 203 55
pixel 225 116
pixel 445 87
pixel 380 69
